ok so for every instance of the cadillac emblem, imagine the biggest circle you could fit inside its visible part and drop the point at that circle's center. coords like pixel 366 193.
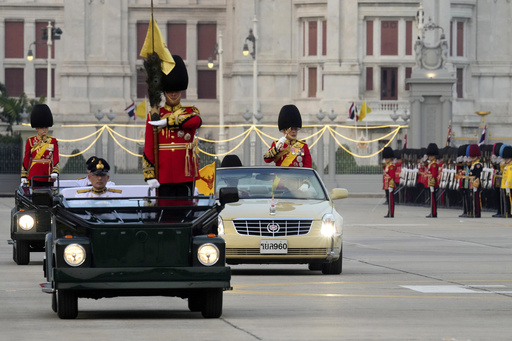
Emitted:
pixel 273 228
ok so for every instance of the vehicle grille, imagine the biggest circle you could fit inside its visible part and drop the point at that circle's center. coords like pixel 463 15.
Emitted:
pixel 232 252
pixel 272 227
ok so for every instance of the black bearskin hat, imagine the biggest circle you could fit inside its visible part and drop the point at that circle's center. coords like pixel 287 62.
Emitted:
pixel 496 148
pixel 289 116
pixel 432 150
pixel 387 153
pixel 177 79
pixel 507 152
pixel 231 160
pixel 41 116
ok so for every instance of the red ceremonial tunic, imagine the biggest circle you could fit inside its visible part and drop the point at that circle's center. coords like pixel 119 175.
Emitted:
pixel 398 170
pixel 177 157
pixel 295 154
pixel 432 173
pixel 41 158
pixel 388 178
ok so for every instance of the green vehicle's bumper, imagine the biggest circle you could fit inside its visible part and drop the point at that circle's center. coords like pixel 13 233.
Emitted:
pixel 142 278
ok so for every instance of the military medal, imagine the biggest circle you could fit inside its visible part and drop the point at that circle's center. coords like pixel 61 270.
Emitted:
pixel 181 133
pixel 187 136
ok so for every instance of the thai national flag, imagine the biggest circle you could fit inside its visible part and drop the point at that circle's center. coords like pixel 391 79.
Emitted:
pixel 130 110
pixel 352 112
pixel 482 136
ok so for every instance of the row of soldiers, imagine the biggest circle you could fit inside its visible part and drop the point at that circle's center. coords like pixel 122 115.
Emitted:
pixel 471 176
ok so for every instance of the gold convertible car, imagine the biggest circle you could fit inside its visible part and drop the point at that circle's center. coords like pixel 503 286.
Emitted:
pixel 284 215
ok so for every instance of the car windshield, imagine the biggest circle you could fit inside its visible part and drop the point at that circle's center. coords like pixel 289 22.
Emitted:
pixel 277 182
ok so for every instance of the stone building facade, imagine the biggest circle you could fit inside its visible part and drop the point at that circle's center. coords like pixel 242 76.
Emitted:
pixel 321 55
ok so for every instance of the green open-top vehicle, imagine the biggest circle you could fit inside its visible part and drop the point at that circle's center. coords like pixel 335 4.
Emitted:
pixel 137 246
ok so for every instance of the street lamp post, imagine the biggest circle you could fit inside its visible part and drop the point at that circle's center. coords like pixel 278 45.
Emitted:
pixel 252 38
pixel 49 34
pixel 219 51
pixel 49 43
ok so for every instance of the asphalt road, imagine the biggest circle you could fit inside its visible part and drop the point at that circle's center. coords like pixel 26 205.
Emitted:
pixel 407 278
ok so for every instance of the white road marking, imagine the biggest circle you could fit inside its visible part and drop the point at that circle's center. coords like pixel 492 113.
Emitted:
pixel 442 289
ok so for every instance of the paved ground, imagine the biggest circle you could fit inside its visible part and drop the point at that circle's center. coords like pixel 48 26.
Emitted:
pixel 407 278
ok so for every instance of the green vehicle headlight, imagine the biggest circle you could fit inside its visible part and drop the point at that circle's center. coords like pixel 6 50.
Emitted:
pixel 208 254
pixel 26 222
pixel 74 254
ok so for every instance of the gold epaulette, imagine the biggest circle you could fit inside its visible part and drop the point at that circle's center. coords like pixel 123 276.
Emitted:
pixel 84 190
pixel 115 190
pixel 83 177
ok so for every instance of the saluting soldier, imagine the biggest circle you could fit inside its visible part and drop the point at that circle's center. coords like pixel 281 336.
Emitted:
pixel 98 177
pixel 475 171
pixel 40 165
pixel 388 180
pixel 288 151
pixel 432 172
pixel 178 162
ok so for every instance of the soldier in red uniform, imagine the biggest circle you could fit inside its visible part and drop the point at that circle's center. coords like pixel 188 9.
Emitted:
pixel 388 180
pixel 432 172
pixel 288 151
pixel 178 163
pixel 41 161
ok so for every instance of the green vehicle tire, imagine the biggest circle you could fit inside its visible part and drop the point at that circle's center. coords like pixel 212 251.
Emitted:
pixel 67 304
pixel 212 303
pixel 22 252
pixel 54 302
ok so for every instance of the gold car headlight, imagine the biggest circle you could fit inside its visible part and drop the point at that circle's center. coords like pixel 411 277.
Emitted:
pixel 74 255
pixel 220 225
pixel 208 254
pixel 26 222
pixel 328 228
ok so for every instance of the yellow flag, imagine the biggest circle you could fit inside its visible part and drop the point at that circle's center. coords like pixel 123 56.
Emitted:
pixel 364 110
pixel 140 110
pixel 206 182
pixel 154 35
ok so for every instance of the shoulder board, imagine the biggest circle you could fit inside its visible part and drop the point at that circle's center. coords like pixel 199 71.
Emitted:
pixel 83 177
pixel 189 108
pixel 84 190
pixel 301 142
pixel 115 190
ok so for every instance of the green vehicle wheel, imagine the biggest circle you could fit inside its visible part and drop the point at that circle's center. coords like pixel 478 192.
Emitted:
pixel 21 252
pixel 212 303
pixel 67 304
pixel 54 302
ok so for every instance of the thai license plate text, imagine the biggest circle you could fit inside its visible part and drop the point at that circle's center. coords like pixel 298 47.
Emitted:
pixel 270 246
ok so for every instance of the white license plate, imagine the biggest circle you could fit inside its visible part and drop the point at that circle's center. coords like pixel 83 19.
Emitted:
pixel 273 246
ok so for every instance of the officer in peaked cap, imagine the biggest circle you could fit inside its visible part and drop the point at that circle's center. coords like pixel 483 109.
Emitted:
pixel 388 180
pixel 288 151
pixel 41 160
pixel 84 181
pixel 175 143
pixel 98 177
pixel 432 173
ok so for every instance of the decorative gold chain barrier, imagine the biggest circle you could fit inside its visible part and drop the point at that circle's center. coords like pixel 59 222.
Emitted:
pixel 264 137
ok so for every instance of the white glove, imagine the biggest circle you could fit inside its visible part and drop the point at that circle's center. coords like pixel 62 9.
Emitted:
pixel 304 188
pixel 432 189
pixel 159 124
pixel 24 181
pixel 475 189
pixel 281 142
pixel 507 190
pixel 54 175
pixel 153 183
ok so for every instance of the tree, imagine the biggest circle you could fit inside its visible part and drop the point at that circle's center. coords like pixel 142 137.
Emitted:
pixel 11 107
